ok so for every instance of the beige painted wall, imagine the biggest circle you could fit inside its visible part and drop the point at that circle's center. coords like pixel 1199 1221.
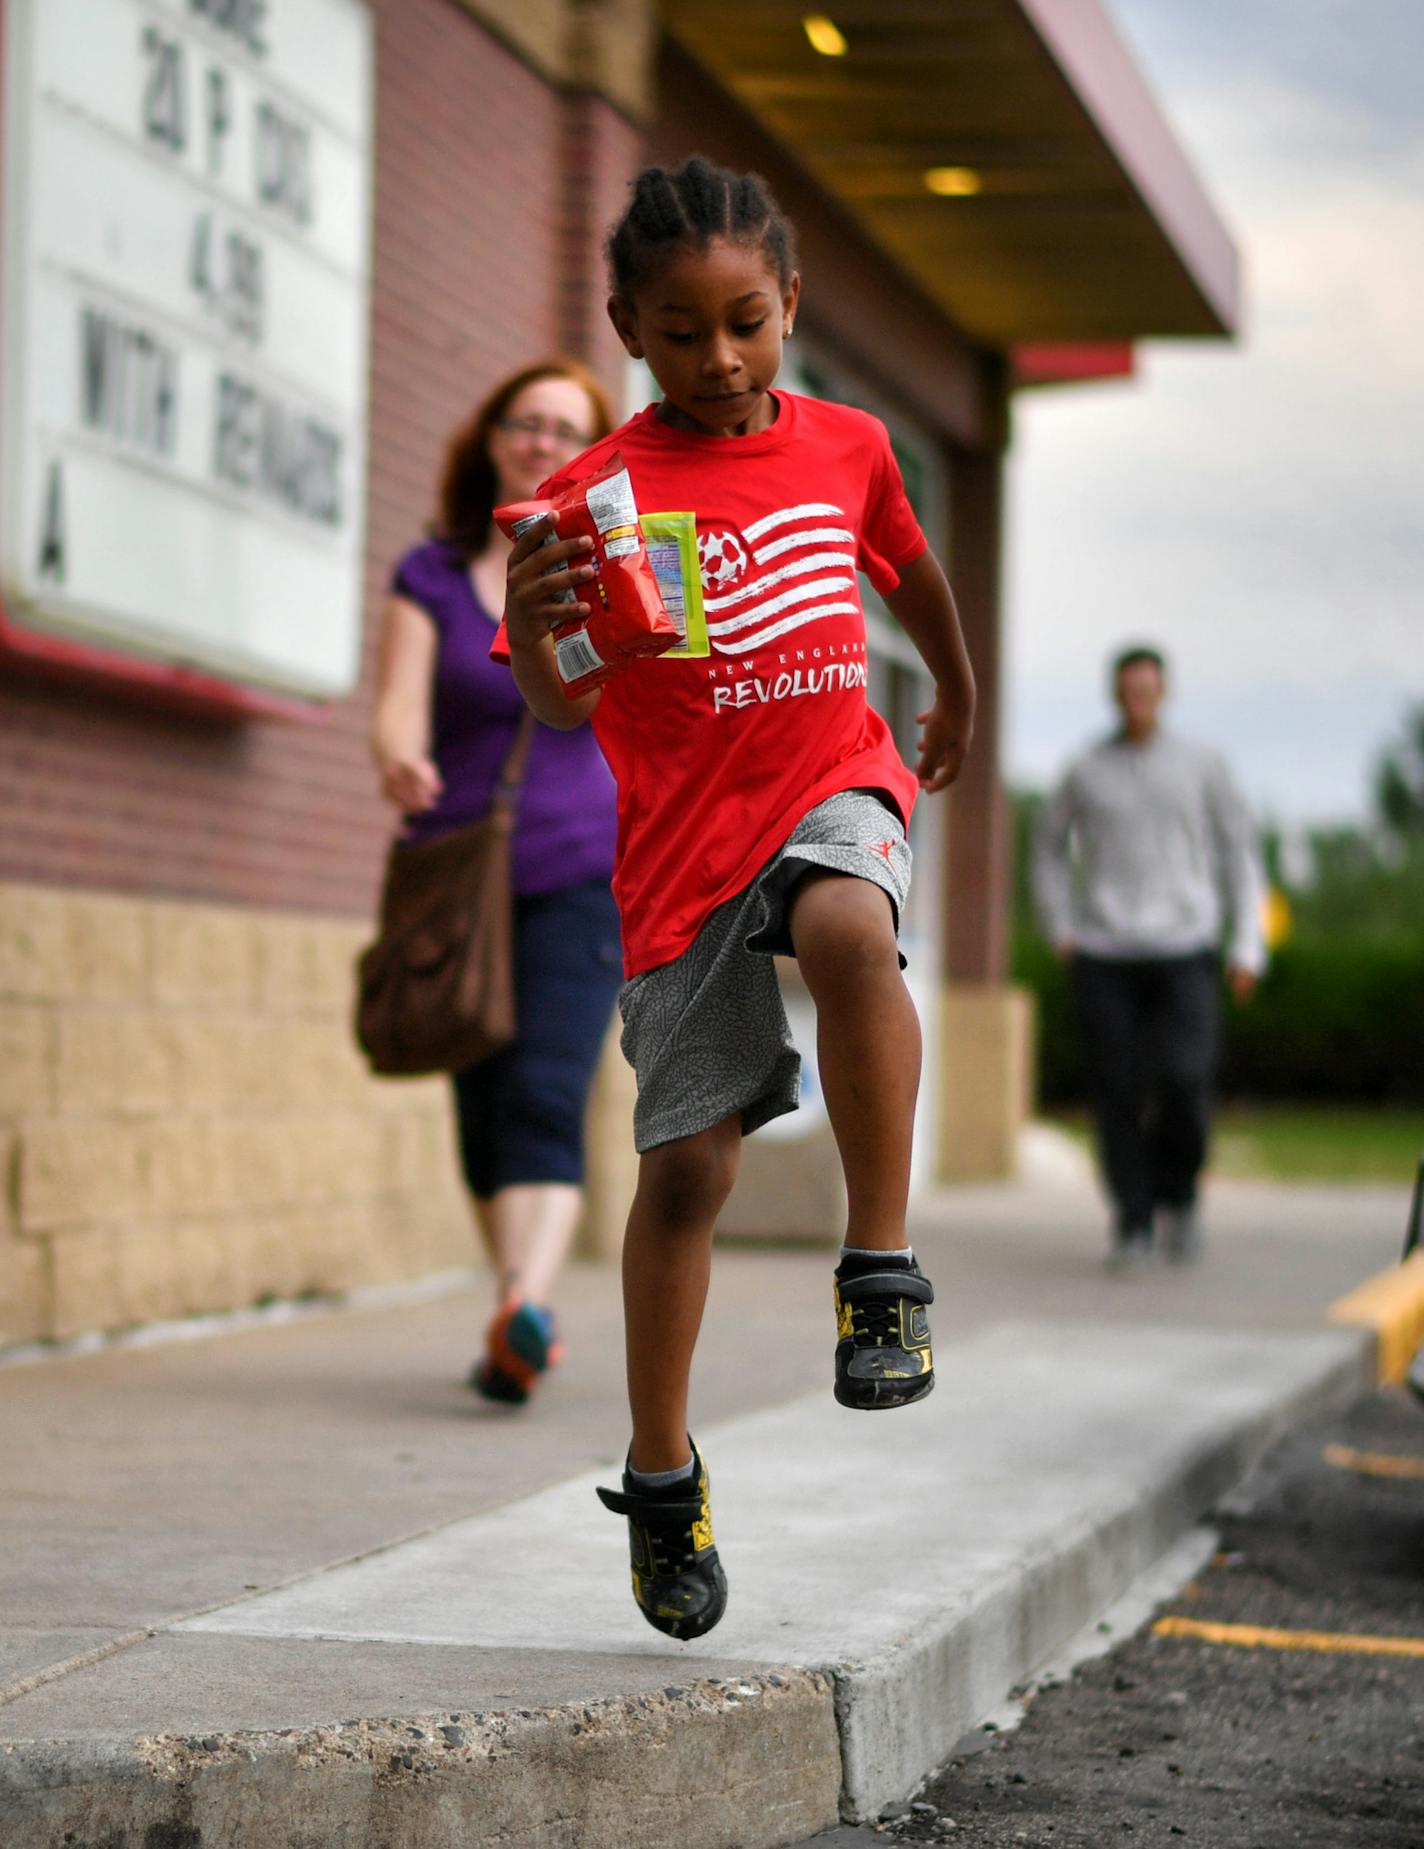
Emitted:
pixel 186 1126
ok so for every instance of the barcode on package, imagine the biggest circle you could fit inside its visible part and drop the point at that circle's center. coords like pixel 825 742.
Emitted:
pixel 576 656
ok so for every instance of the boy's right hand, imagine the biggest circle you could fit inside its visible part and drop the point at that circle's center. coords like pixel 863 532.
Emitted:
pixel 536 575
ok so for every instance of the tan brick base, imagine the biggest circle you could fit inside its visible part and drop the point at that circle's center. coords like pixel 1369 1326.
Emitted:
pixel 186 1125
pixel 985 1078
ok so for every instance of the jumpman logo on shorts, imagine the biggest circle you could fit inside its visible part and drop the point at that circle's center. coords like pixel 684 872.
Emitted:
pixel 885 848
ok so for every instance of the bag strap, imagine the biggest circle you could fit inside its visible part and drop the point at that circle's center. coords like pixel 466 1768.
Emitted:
pixel 511 774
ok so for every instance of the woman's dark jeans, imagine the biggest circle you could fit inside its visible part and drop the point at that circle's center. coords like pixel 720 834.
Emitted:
pixel 521 1113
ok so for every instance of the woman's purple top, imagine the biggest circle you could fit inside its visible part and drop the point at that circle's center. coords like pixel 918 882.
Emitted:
pixel 566 820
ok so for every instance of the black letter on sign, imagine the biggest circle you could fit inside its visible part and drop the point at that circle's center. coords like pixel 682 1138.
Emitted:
pixel 165 104
pixel 283 148
pixel 219 116
pixel 51 563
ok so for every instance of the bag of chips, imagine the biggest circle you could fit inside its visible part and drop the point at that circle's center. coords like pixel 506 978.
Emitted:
pixel 627 619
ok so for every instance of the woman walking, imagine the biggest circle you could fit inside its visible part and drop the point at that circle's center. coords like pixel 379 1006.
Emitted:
pixel 446 722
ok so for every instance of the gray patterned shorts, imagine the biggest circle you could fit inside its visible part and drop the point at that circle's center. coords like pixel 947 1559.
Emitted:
pixel 707 1034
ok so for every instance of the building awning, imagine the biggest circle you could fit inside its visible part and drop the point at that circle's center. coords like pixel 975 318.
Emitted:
pixel 1066 211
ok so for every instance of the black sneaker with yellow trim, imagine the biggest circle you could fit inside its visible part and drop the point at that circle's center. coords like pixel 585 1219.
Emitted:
pixel 678 1580
pixel 883 1354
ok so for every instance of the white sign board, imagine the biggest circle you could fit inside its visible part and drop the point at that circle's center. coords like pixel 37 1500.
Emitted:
pixel 185 321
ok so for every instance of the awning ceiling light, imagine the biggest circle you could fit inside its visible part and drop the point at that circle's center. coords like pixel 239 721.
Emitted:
pixel 825 35
pixel 953 182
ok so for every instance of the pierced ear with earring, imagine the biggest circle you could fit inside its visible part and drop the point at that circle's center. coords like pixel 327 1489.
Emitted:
pixel 788 329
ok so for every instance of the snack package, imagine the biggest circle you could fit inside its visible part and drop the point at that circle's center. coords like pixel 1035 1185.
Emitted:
pixel 627 620
pixel 672 549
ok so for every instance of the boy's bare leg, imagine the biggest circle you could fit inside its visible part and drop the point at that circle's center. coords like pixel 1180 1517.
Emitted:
pixel 667 1255
pixel 867 1045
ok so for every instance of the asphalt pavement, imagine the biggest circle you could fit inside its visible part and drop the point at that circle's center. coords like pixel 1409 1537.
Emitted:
pixel 1281 1719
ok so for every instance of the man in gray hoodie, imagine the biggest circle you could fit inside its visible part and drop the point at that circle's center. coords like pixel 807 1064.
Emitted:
pixel 1140 856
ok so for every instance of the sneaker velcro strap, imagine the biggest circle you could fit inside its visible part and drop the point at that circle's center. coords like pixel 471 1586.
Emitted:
pixel 885 1284
pixel 659 1510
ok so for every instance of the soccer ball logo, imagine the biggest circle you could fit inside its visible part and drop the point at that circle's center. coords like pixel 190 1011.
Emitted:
pixel 722 556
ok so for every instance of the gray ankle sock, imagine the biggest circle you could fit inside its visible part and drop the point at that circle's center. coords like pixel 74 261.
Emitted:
pixel 660 1479
pixel 866 1252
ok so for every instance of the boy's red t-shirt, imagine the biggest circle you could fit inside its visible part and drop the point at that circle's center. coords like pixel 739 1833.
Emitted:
pixel 718 759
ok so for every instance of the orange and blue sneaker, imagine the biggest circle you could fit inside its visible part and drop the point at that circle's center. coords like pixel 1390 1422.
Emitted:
pixel 521 1344
pixel 883 1353
pixel 678 1581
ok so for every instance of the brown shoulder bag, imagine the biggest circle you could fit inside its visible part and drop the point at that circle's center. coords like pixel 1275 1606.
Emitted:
pixel 435 992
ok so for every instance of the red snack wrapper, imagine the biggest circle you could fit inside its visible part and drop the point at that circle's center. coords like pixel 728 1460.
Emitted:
pixel 628 619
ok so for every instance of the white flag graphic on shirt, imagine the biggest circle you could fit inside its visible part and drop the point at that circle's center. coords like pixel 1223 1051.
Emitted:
pixel 801 570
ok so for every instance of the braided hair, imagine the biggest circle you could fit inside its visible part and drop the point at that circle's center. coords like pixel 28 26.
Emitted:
pixel 687 209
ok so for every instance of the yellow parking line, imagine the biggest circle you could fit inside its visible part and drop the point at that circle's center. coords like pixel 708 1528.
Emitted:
pixel 1373 1463
pixel 1259 1637
pixel 1392 1304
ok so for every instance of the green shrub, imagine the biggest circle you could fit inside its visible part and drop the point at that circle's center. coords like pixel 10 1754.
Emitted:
pixel 1337 1018
pixel 1060 1075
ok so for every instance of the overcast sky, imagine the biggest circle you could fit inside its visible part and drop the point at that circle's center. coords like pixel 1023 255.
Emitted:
pixel 1254 508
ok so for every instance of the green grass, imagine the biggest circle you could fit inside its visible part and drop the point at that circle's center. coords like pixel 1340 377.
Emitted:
pixel 1307 1143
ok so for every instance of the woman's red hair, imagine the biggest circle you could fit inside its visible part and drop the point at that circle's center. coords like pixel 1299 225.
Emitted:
pixel 467 482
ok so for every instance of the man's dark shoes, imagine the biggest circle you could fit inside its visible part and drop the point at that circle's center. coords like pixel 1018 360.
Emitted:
pixel 1130 1253
pixel 1181 1235
pixel 883 1354
pixel 678 1580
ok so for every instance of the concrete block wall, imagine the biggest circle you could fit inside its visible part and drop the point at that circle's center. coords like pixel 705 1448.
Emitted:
pixel 986 1067
pixel 185 1124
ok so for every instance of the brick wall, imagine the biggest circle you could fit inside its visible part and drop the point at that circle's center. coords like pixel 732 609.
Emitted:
pixel 601 153
pixel 96 790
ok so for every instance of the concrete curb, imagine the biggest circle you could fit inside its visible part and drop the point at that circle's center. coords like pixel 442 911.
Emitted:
pixel 901 1714
pixel 758 1760
pixel 721 1762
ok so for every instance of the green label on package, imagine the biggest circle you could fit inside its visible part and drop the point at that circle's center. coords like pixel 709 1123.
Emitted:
pixel 671 540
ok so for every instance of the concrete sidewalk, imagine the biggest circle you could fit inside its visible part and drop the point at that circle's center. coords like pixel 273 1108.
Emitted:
pixel 295 1586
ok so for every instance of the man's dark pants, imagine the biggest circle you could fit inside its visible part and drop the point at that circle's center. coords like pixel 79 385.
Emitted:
pixel 1151 1030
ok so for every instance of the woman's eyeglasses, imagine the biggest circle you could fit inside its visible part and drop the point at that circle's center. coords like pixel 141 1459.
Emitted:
pixel 545 427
